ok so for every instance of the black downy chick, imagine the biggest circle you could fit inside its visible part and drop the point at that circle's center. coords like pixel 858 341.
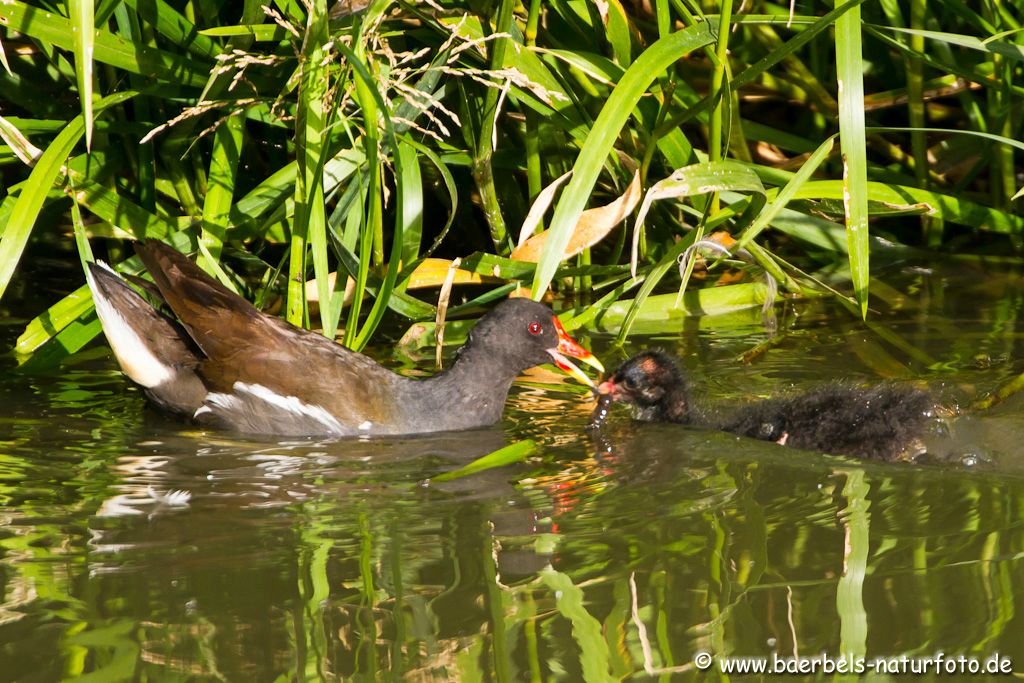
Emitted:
pixel 881 422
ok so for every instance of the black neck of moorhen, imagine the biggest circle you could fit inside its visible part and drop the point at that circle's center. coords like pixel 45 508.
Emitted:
pixel 514 337
pixel 468 394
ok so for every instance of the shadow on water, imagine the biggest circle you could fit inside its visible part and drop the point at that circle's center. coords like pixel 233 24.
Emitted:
pixel 606 556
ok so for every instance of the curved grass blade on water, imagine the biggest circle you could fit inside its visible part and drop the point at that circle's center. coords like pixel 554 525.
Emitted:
pixel 586 629
pixel 660 312
pixel 512 453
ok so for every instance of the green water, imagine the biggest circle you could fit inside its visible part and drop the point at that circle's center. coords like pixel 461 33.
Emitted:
pixel 605 557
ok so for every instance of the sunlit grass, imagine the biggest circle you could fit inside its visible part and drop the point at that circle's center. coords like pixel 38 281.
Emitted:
pixel 361 143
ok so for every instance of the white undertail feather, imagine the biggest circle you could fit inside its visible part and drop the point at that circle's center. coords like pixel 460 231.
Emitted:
pixel 136 360
pixel 254 405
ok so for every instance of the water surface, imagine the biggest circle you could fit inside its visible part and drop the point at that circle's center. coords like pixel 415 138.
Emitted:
pixel 616 555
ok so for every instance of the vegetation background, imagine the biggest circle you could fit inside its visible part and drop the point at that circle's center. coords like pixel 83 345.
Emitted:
pixel 590 151
pixel 280 141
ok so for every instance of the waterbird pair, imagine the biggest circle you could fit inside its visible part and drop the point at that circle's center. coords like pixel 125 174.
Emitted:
pixel 223 363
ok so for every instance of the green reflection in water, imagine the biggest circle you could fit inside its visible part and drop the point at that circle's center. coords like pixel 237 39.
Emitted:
pixel 610 556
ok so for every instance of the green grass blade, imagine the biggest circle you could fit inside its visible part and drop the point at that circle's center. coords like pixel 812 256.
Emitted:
pixel 602 137
pixel 412 195
pixel 850 75
pixel 81 241
pixel 71 338
pixel 513 453
pixel 20 146
pixel 373 106
pixel 997 47
pixel 41 180
pixel 120 211
pixel 720 92
pixel 748 75
pixel 310 219
pixel 450 187
pixel 224 165
pixel 712 176
pixel 950 208
pixel 83 27
pixel 109 49
pixel 260 32
pixel 667 262
pixel 483 171
pixel 371 227
pixel 44 326
pixel 3 60
pixel 799 179
pixel 174 26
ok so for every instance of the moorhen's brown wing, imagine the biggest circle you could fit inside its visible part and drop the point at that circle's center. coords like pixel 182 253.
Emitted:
pixel 265 375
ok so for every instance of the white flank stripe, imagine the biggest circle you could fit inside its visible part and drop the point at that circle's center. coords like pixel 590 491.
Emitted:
pixel 287 404
pixel 135 358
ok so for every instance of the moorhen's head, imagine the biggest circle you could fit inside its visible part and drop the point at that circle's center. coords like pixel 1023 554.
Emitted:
pixel 521 333
pixel 653 384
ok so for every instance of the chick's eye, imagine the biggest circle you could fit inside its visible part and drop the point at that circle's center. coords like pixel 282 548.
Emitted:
pixel 535 327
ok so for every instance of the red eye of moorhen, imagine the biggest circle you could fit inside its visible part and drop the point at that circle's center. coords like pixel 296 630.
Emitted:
pixel 535 327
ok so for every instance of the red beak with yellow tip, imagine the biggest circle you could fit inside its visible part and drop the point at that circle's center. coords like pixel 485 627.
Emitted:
pixel 567 346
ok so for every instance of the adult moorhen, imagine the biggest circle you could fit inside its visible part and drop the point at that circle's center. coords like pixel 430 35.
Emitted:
pixel 223 363
pixel 881 422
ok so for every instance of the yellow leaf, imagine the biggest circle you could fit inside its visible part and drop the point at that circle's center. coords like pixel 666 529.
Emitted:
pixel 593 225
pixel 430 273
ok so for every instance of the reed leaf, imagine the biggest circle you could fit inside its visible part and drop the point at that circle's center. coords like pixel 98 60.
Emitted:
pixel 108 48
pixel 44 174
pixel 84 30
pixel 850 74
pixel 513 453
pixel 602 137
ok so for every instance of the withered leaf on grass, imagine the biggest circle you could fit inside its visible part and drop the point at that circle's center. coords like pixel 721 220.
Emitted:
pixel 711 176
pixel 431 272
pixel 592 227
